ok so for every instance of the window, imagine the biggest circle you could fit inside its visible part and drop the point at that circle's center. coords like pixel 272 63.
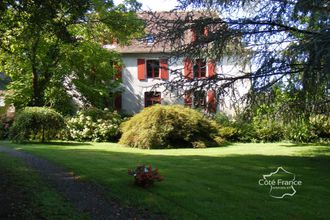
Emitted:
pixel 199 68
pixel 2 101
pixel 152 98
pixel 199 99
pixel 150 39
pixel 199 32
pixel 152 68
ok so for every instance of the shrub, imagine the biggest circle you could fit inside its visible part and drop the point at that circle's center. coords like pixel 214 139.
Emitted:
pixel 145 176
pixel 267 129
pixel 222 119
pixel 229 133
pixel 36 123
pixel 299 131
pixel 315 128
pixel 5 124
pixel 94 125
pixel 320 125
pixel 169 126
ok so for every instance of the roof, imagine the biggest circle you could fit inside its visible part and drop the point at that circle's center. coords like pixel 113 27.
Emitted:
pixel 152 19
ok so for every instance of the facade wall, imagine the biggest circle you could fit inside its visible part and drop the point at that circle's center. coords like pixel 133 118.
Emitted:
pixel 133 99
pixel 134 89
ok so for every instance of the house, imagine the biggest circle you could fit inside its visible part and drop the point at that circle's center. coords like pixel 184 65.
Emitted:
pixel 148 67
pixel 8 110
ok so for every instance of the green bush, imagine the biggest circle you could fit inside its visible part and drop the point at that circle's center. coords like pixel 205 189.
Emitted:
pixel 36 123
pixel 5 124
pixel 229 133
pixel 320 125
pixel 315 128
pixel 222 119
pixel 94 125
pixel 169 127
pixel 268 130
pixel 299 131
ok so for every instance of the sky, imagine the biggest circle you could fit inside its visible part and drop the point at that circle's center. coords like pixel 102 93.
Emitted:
pixel 155 5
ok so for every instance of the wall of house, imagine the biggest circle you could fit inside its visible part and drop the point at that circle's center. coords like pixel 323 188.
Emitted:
pixel 232 100
pixel 134 89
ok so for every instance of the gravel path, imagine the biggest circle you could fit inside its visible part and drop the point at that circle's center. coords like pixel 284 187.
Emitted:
pixel 85 197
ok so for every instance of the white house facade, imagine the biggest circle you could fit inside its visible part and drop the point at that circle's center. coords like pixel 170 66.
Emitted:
pixel 147 68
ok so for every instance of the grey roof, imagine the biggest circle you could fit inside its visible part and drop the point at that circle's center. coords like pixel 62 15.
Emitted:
pixel 151 18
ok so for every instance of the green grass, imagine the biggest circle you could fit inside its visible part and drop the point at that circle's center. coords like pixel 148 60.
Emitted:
pixel 213 183
pixel 25 196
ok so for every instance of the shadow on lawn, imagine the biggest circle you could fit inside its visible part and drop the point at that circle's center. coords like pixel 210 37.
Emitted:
pixel 225 186
pixel 58 143
pixel 305 144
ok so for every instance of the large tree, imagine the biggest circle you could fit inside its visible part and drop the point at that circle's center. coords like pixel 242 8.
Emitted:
pixel 286 41
pixel 47 46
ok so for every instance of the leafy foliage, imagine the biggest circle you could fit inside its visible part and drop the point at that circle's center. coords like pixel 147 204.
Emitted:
pixel 286 43
pixel 264 128
pixel 36 123
pixel 94 125
pixel 168 127
pixel 57 45
pixel 5 124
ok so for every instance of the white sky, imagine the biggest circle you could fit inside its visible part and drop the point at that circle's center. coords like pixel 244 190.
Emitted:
pixel 155 5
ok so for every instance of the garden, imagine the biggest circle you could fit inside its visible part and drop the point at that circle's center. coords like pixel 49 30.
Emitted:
pixel 68 149
pixel 201 167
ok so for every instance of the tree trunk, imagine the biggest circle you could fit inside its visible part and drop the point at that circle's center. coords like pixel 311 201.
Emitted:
pixel 37 99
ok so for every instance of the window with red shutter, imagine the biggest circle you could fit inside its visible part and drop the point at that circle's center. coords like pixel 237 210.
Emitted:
pixel 152 98
pixel 198 32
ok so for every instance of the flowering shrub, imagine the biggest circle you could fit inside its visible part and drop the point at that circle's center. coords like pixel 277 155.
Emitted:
pixel 103 126
pixel 36 123
pixel 145 176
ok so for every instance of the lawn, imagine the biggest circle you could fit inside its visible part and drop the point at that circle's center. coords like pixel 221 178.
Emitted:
pixel 24 195
pixel 213 183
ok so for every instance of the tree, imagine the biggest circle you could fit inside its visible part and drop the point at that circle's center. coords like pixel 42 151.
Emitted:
pixel 287 41
pixel 47 46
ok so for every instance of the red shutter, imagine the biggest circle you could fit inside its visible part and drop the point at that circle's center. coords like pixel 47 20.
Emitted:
pixel 188 73
pixel 141 69
pixel 163 63
pixel 206 31
pixel 193 35
pixel 117 103
pixel 119 70
pixel 211 101
pixel 187 99
pixel 211 68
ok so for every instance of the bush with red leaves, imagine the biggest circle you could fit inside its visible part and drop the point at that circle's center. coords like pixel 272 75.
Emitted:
pixel 145 176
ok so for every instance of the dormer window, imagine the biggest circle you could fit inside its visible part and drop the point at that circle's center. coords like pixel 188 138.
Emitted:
pixel 150 39
pixel 198 32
